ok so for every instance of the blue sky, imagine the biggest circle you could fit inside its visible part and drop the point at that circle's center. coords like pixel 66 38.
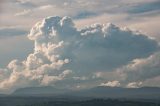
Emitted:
pixel 124 53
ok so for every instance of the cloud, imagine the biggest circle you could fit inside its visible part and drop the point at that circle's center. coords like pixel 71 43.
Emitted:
pixel 23 13
pixel 36 11
pixel 152 81
pixel 109 45
pixel 84 14
pixel 1 1
pixel 142 69
pixel 63 52
pixel 115 11
pixel 25 3
pixel 111 84
pixel 11 31
pixel 145 7
pixel 134 85
pixel 50 79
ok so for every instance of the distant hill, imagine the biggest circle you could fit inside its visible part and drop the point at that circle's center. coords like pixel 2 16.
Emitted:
pixel 39 91
pixel 97 92
pixel 118 92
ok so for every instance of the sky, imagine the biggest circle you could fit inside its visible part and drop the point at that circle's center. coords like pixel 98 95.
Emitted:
pixel 79 44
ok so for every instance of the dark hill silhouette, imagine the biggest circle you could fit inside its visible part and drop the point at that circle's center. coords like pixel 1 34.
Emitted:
pixel 97 92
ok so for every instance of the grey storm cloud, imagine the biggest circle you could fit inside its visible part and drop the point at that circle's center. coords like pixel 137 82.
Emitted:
pixel 63 52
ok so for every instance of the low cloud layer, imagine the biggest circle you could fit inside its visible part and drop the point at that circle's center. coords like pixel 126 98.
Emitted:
pixel 111 84
pixel 63 52
pixel 145 7
pixel 6 32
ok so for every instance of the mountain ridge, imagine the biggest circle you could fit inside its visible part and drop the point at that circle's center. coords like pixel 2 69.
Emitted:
pixel 96 92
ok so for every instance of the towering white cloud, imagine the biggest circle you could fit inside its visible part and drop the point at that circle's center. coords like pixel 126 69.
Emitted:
pixel 62 52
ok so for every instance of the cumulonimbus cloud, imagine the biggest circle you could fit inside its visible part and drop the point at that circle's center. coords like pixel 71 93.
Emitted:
pixel 63 52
